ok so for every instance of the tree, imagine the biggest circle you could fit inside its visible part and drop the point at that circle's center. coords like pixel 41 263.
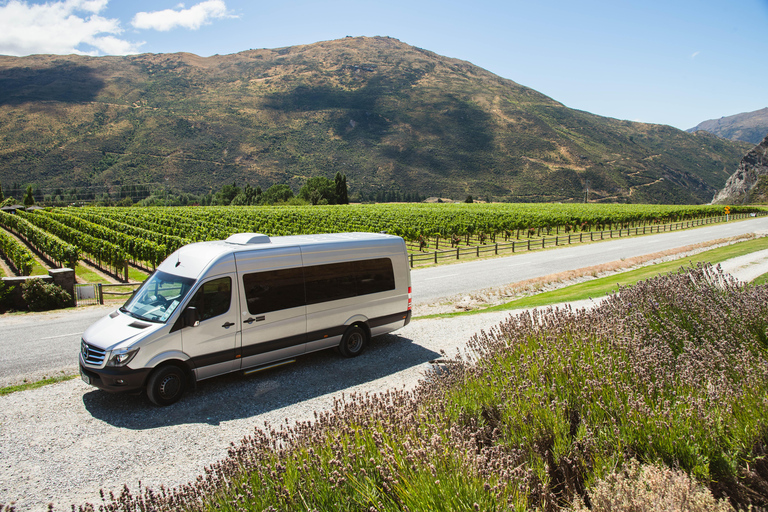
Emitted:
pixel 1 193
pixel 251 194
pixel 239 200
pixel 318 188
pixel 227 193
pixel 29 199
pixel 279 193
pixel 342 196
pixel 468 199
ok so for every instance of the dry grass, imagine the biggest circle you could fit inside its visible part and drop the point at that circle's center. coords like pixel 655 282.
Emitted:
pixel 649 488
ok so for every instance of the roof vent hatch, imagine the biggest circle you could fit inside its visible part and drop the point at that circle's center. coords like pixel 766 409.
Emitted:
pixel 248 239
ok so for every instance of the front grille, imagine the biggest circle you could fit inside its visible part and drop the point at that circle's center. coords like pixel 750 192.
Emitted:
pixel 92 355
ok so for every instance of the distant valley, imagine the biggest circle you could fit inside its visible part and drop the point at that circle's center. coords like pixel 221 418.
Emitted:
pixel 389 116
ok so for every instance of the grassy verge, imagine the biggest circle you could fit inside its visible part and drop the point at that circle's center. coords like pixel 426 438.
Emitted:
pixel 86 275
pixel 605 285
pixel 672 372
pixel 136 275
pixel 760 280
pixel 37 384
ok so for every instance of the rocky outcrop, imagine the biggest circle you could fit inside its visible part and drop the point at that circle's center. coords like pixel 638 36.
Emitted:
pixel 749 184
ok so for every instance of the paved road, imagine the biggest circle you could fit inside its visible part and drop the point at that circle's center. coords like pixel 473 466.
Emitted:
pixel 431 284
pixel 37 345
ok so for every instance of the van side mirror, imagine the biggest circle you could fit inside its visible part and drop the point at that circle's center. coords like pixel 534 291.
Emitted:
pixel 191 317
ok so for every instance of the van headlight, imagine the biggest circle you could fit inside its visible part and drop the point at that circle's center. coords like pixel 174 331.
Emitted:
pixel 122 357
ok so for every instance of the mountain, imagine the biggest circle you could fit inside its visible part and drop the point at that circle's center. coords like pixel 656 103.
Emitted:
pixel 387 115
pixel 748 127
pixel 749 184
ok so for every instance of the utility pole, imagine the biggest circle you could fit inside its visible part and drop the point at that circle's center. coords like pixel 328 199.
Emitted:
pixel 586 191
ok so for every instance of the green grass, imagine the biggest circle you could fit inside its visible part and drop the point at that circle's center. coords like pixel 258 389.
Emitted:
pixel 86 275
pixel 760 280
pixel 605 285
pixel 135 274
pixel 38 269
pixel 37 384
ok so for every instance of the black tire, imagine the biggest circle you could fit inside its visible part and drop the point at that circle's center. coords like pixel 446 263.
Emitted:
pixel 353 342
pixel 166 385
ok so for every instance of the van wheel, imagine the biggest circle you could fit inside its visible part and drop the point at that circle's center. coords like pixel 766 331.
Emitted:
pixel 353 342
pixel 166 385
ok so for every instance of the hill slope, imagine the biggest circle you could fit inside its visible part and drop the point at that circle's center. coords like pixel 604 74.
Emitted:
pixel 749 184
pixel 748 127
pixel 388 115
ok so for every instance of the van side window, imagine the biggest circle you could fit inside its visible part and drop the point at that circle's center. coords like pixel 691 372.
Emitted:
pixel 349 279
pixel 274 290
pixel 213 298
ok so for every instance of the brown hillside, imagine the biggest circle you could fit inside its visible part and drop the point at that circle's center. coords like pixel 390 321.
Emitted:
pixel 388 115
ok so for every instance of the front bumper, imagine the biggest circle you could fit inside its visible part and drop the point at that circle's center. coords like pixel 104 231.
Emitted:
pixel 115 380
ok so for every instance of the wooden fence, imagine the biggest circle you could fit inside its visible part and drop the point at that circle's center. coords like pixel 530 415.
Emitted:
pixel 95 293
pixel 532 244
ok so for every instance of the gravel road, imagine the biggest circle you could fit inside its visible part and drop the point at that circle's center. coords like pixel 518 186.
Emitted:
pixel 63 442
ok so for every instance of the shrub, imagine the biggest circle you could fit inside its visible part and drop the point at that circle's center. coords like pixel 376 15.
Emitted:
pixel 42 296
pixel 6 292
pixel 649 487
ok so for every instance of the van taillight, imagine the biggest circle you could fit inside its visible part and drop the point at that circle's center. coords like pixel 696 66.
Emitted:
pixel 409 298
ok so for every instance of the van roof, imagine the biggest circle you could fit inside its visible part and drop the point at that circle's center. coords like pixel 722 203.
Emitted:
pixel 252 240
pixel 194 259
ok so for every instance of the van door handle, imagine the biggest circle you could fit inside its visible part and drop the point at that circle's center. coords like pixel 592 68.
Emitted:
pixel 251 319
pixel 228 324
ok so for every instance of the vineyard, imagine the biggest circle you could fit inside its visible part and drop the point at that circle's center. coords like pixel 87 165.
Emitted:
pixel 111 238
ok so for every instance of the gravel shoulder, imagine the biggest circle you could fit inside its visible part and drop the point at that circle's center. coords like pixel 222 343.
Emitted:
pixel 62 443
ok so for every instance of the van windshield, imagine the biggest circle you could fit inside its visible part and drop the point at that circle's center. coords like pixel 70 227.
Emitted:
pixel 158 297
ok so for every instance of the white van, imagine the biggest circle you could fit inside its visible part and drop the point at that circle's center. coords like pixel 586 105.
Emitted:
pixel 246 303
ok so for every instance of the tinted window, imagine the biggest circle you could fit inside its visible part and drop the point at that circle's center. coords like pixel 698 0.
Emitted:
pixel 350 279
pixel 213 298
pixel 274 290
pixel 374 276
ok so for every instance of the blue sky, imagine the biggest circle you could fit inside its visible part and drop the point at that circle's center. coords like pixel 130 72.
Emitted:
pixel 676 62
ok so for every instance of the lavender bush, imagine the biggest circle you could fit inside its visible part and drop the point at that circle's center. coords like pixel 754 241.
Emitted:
pixel 672 371
pixel 538 414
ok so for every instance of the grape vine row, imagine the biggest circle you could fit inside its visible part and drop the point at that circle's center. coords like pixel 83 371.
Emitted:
pixel 17 253
pixel 55 248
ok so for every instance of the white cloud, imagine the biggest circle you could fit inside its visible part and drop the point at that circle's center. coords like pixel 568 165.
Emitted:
pixel 60 28
pixel 695 54
pixel 192 18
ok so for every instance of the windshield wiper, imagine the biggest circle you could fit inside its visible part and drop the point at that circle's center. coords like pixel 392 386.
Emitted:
pixel 136 315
